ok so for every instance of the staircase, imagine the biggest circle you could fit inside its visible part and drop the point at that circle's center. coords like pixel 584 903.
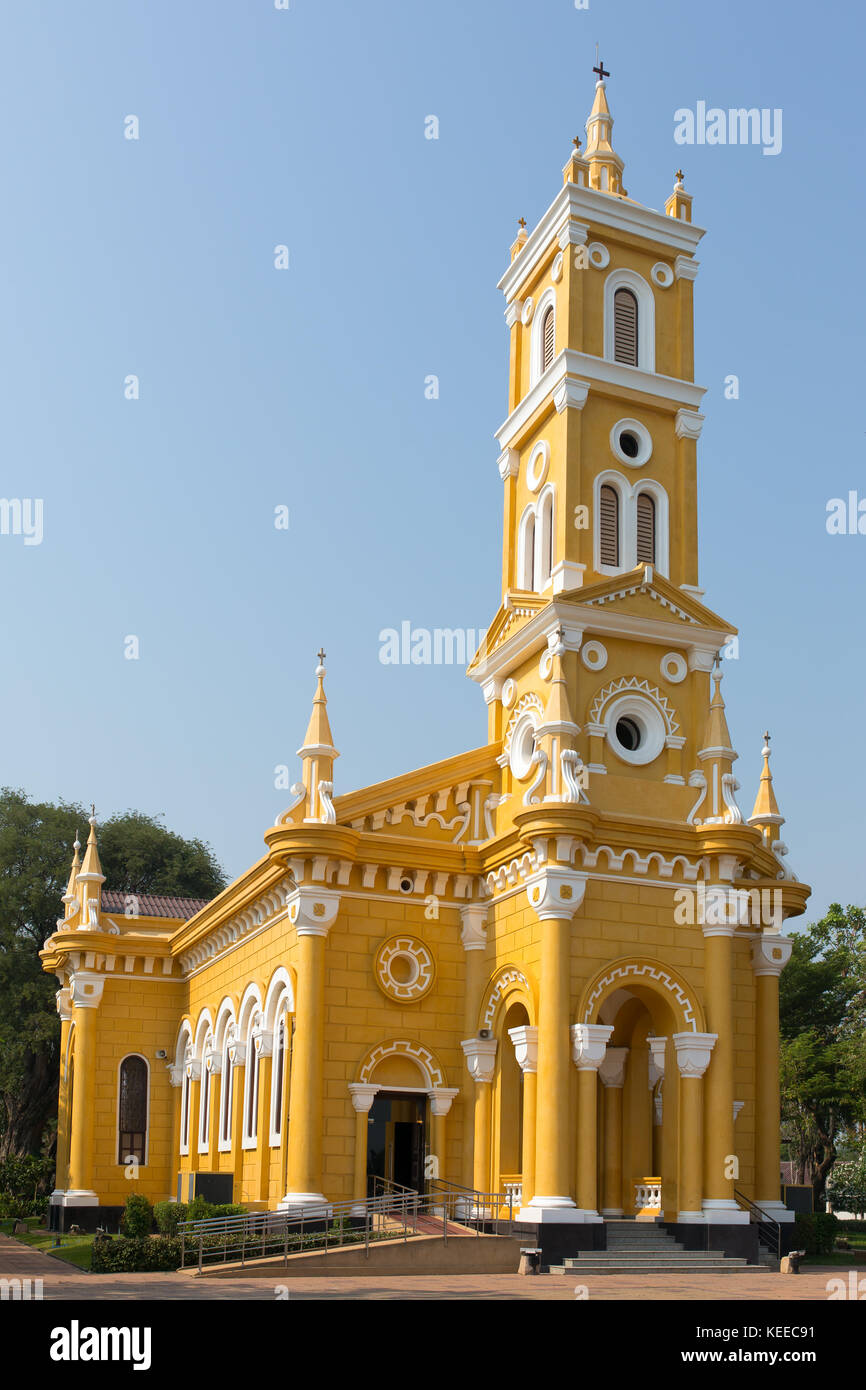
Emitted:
pixel 637 1247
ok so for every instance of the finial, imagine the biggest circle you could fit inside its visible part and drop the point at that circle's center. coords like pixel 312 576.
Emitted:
pixel 521 222
pixel 76 843
pixel 576 142
pixel 679 176
pixel 601 70
pixel 320 669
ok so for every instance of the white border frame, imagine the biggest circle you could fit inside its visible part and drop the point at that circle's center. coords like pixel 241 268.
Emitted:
pixel 143 1162
pixel 624 279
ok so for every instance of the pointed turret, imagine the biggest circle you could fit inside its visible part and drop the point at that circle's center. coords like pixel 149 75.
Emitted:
pixel 717 758
pixel 70 897
pixel 605 166
pixel 766 813
pixel 90 878
pixel 679 204
pixel 318 755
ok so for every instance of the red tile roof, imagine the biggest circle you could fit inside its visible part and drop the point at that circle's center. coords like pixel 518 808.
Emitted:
pixel 152 904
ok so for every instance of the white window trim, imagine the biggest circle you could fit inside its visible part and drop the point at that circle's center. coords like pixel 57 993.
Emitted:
pixel 205 1097
pixel 628 495
pixel 624 279
pixel 536 341
pixel 275 1136
pixel 186 1101
pixel 227 1079
pixel 542 578
pixel 644 712
pixel 251 1079
pixel 143 1163
pixel 522 556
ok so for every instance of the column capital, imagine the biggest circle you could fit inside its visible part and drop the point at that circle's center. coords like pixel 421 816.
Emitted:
pixel 362 1096
pixel 693 1052
pixel 771 953
pixel 556 892
pixel 86 990
pixel 473 932
pixel 480 1054
pixel 441 1097
pixel 612 1069
pixel 525 1041
pixel 263 1041
pixel 588 1044
pixel 657 1059
pixel 312 910
pixel 63 998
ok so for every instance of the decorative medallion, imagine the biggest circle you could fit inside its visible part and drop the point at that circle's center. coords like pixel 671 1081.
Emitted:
pixel 404 969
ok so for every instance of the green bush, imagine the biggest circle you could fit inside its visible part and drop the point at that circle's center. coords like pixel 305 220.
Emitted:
pixel 853 1228
pixel 816 1232
pixel 168 1215
pixel 134 1254
pixel 137 1220
pixel 25 1184
pixel 201 1210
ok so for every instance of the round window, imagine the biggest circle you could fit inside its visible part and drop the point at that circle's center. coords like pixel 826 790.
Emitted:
pixel 631 442
pixel 636 730
pixel 522 747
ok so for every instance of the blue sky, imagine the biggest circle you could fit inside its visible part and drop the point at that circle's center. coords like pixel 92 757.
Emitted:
pixel 305 387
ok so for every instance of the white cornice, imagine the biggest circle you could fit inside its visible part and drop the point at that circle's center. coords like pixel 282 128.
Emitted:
pixel 569 379
pixel 600 210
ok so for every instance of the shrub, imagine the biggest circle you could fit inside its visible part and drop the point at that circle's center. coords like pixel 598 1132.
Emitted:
pixel 816 1232
pixel 134 1254
pixel 138 1218
pixel 201 1210
pixel 168 1215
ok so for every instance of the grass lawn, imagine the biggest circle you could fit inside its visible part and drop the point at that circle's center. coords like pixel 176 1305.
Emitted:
pixel 74 1250
pixel 839 1257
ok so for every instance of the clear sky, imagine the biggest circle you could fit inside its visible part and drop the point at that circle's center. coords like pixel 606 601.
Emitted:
pixel 304 387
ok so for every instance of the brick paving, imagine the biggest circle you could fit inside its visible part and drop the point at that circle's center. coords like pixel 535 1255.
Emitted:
pixel 62 1281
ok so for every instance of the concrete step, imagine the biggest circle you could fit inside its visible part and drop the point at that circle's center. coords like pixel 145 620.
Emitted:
pixel 675 1257
pixel 715 1267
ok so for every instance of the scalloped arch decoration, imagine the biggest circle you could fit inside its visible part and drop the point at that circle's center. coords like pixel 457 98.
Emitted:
pixel 402 1047
pixel 642 687
pixel 511 975
pixel 526 702
pixel 655 976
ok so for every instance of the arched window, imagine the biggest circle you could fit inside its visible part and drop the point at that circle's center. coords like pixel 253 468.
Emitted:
pixel 227 1075
pixel 625 337
pixel 526 578
pixel 548 333
pixel 646 529
pixel 608 525
pixel 251 1094
pixel 279 1066
pixel 132 1110
pixel 204 1098
pixel 545 538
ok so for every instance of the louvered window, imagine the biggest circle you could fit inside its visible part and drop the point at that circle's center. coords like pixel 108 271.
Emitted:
pixel 646 529
pixel 132 1119
pixel 527 576
pixel 547 339
pixel 608 521
pixel 625 327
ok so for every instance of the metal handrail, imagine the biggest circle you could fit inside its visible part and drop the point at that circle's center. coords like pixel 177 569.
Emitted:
pixel 768 1227
pixel 391 1213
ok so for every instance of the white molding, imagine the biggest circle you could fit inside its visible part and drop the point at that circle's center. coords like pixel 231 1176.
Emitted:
pixel 686 268
pixel 644 438
pixel 688 424
pixel 579 203
pixel 508 464
pixel 536 338
pixel 570 394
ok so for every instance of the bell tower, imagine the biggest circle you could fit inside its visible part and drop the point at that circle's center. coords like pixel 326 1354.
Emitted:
pixel 600 599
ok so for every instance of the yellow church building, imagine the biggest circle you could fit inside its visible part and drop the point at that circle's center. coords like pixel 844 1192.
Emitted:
pixel 547 966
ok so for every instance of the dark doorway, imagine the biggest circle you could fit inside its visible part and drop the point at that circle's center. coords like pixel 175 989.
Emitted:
pixel 396 1134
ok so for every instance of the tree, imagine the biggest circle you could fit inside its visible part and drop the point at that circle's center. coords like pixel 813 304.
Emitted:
pixel 138 854
pixel 823 1058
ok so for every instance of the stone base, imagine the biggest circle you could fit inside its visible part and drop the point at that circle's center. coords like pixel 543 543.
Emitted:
pixel 724 1212
pixel 778 1211
pixel 538 1215
pixel 76 1197
pixel 314 1204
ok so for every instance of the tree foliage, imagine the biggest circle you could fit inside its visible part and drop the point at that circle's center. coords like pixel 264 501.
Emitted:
pixel 138 854
pixel 823 1058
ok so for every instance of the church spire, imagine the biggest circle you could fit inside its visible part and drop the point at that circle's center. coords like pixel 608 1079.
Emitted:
pixel 766 813
pixel 717 758
pixel 91 877
pixel 605 166
pixel 318 755
pixel 70 896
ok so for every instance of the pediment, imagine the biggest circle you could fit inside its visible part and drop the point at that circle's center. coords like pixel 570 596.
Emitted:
pixel 643 593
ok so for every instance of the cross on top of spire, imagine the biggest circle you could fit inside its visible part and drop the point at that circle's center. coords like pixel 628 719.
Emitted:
pixel 601 70
pixel 321 655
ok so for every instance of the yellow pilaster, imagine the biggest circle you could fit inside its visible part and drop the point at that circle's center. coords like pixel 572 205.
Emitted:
pixel 693 1056
pixel 263 1149
pixel 526 1047
pixel 63 1115
pixel 770 955
pixel 362 1102
pixel 86 997
pixel 612 1076
pixel 473 937
pixel 312 911
pixel 480 1054
pixel 719 1153
pixel 589 1041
